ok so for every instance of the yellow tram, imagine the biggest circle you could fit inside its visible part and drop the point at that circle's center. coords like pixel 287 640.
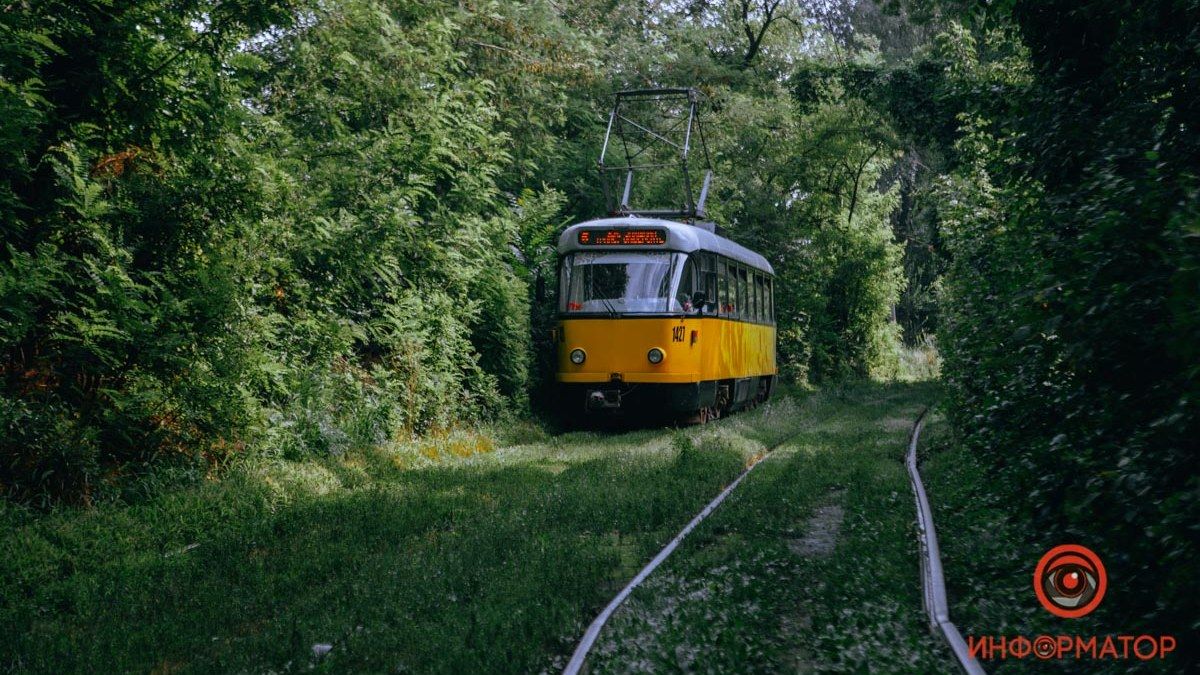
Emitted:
pixel 663 317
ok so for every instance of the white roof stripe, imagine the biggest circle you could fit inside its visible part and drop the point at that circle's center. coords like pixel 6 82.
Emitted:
pixel 680 237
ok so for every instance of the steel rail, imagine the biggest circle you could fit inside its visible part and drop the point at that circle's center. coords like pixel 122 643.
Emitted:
pixel 933 581
pixel 593 631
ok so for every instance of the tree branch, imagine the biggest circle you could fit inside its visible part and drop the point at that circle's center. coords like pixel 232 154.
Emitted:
pixel 857 178
pixel 754 38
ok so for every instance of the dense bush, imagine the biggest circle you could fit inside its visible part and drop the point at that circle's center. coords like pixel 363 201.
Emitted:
pixel 1071 323
pixel 262 224
pixel 125 334
pixel 808 194
pixel 389 227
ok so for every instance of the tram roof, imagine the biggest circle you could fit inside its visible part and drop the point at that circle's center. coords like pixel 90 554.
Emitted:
pixel 680 237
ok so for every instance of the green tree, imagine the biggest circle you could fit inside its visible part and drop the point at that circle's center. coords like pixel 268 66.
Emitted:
pixel 124 193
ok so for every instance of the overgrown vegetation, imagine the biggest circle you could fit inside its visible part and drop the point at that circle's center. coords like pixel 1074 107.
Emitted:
pixel 1070 322
pixel 810 566
pixel 300 228
pixel 989 557
pixel 304 227
pixel 489 550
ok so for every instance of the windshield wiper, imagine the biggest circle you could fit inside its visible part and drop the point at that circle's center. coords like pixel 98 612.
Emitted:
pixel 612 311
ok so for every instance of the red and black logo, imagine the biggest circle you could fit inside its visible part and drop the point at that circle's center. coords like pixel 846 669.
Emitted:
pixel 1070 581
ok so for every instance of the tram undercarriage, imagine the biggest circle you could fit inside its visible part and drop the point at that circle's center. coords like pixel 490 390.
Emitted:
pixel 697 402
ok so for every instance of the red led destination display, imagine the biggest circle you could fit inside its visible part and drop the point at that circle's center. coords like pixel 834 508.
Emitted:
pixel 623 237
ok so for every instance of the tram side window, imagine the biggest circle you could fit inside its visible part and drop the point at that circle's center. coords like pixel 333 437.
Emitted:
pixel 760 294
pixel 719 274
pixel 764 311
pixel 754 296
pixel 751 301
pixel 759 305
pixel 708 281
pixel 749 278
pixel 726 297
pixel 736 301
pixel 687 286
pixel 771 300
pixel 755 302
pixel 729 281
pixel 767 300
pixel 764 308
pixel 743 296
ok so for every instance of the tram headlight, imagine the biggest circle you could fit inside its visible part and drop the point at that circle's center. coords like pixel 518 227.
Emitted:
pixel 655 356
pixel 577 356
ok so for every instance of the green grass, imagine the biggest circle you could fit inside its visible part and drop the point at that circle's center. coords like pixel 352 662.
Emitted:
pixel 489 551
pixel 452 554
pixel 811 566
pixel 921 362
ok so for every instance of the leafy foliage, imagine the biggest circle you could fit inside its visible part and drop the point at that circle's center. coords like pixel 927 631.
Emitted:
pixel 304 227
pixel 251 223
pixel 1070 320
pixel 123 338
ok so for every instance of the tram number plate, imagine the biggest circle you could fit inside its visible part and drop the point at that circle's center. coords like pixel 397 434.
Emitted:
pixel 677 334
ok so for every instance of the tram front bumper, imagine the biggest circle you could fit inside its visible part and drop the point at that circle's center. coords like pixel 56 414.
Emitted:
pixel 642 397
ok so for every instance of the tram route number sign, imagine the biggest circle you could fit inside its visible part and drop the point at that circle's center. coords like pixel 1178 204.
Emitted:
pixel 623 237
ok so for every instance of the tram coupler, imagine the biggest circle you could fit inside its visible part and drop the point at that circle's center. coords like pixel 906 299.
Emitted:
pixel 603 399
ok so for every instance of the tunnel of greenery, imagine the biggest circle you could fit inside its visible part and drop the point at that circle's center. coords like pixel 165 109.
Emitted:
pixel 296 227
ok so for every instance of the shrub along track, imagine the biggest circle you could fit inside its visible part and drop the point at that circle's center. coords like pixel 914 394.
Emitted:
pixel 811 565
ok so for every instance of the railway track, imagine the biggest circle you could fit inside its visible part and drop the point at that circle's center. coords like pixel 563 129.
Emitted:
pixel 937 606
pixel 934 595
pixel 579 657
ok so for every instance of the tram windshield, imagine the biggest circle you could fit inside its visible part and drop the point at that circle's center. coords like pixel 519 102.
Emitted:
pixel 618 282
